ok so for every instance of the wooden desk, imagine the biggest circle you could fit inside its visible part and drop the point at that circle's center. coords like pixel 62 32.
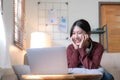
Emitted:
pixel 63 77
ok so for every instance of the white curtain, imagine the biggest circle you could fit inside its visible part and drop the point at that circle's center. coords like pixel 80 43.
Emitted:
pixel 4 55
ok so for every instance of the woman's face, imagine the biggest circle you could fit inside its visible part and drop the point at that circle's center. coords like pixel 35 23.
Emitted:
pixel 77 35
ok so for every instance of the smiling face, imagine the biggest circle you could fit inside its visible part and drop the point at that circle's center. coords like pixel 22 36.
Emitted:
pixel 77 35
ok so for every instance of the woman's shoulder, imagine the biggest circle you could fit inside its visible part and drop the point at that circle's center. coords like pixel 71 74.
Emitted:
pixel 97 44
pixel 70 46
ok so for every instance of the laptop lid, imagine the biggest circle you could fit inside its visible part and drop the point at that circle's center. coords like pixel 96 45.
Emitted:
pixel 48 60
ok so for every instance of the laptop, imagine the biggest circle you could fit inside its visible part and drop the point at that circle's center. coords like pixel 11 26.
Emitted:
pixel 51 60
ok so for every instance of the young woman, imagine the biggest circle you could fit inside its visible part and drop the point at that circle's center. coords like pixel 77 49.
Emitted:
pixel 84 52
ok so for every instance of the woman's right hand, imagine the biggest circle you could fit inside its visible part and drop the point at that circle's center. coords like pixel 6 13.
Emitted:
pixel 74 45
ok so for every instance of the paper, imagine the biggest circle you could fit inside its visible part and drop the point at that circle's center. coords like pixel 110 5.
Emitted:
pixel 85 71
pixel 63 24
pixel 52 16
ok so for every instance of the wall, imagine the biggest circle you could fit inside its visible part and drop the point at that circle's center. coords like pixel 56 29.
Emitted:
pixel 4 57
pixel 87 9
pixel 78 9
pixel 14 53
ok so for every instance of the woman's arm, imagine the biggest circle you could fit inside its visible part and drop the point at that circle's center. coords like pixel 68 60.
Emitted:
pixel 72 57
pixel 94 62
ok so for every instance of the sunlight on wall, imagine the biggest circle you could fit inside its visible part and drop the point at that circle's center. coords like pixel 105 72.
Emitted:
pixel 40 39
pixel 2 33
pixel 4 56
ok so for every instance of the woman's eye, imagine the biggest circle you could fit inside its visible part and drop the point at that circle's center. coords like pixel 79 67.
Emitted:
pixel 73 33
pixel 79 33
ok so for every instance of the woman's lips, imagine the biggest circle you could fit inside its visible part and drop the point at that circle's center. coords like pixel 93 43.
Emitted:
pixel 77 41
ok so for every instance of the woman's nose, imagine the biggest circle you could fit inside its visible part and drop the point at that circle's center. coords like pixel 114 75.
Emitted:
pixel 76 35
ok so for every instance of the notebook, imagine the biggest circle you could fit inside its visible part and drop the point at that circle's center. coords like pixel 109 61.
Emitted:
pixel 48 60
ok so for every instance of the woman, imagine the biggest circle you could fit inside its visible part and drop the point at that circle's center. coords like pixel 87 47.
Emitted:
pixel 83 52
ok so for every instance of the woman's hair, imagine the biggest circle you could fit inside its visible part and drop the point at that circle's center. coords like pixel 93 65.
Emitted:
pixel 83 24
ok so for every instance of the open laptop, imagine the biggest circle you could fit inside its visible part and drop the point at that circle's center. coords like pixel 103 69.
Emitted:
pixel 48 60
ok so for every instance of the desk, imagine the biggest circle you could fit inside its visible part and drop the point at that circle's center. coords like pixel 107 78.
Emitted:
pixel 63 77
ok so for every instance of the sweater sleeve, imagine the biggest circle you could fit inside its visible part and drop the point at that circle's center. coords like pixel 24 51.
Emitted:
pixel 94 62
pixel 72 57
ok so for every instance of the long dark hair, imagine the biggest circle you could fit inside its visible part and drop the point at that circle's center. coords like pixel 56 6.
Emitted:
pixel 82 24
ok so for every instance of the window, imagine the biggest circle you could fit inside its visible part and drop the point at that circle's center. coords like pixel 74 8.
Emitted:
pixel 19 10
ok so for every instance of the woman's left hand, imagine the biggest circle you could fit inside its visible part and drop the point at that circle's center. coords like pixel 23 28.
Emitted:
pixel 84 41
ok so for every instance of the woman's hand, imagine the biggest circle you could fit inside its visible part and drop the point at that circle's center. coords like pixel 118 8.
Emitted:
pixel 74 45
pixel 84 41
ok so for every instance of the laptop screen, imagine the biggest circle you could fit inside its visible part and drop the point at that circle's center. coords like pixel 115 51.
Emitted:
pixel 48 60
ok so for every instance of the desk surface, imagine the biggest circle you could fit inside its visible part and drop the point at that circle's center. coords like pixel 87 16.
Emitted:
pixel 63 77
